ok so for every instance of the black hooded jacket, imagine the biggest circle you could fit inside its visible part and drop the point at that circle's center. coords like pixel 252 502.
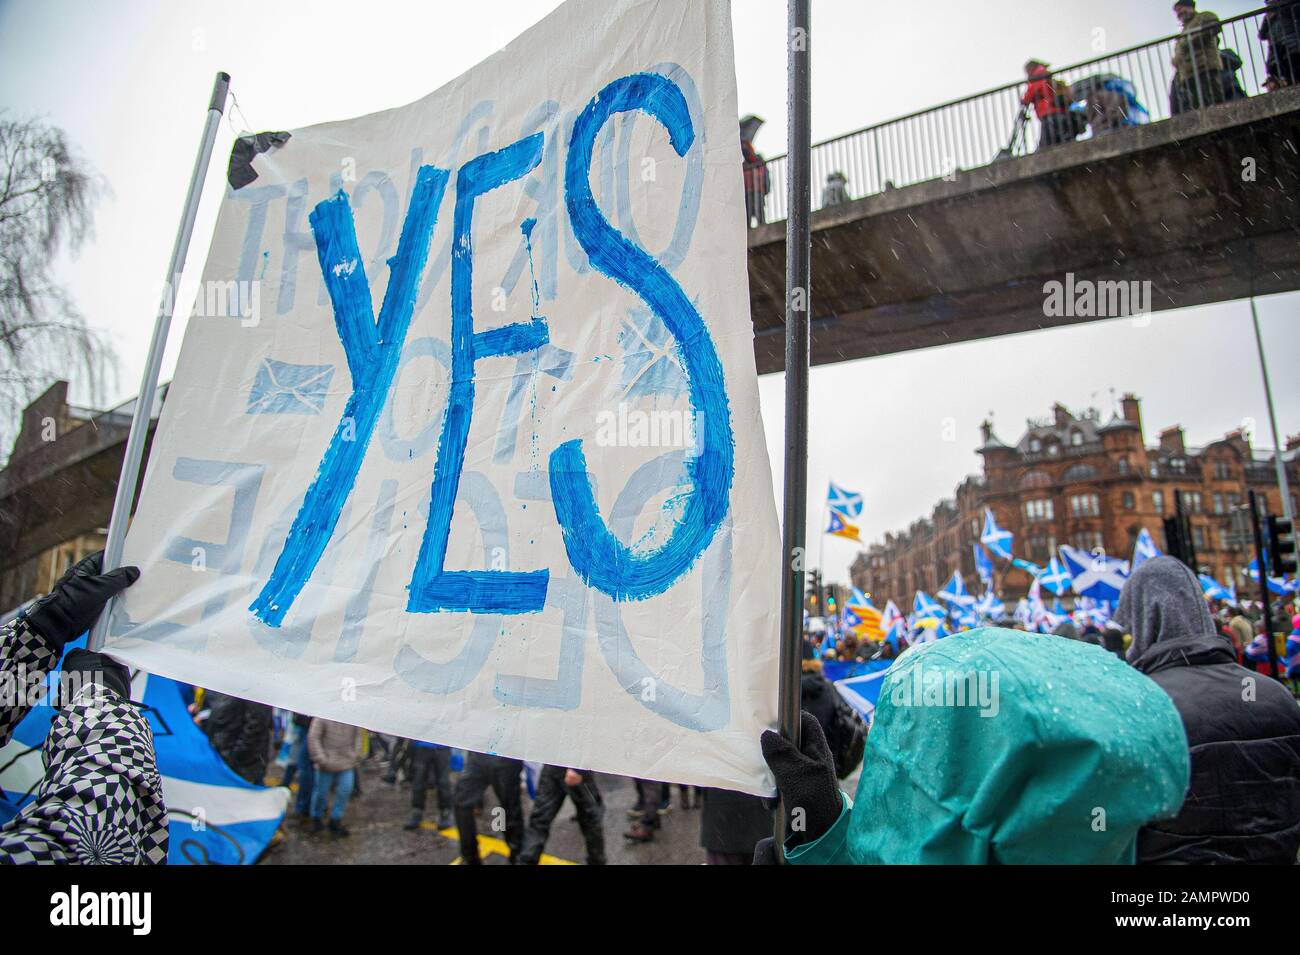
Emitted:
pixel 1243 800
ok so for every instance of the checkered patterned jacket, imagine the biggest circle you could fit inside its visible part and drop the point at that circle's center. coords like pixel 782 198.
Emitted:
pixel 101 798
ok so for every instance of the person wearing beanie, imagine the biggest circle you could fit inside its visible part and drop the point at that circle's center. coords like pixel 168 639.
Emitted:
pixel 1243 802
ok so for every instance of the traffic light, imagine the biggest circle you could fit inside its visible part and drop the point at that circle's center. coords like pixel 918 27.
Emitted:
pixel 813 595
pixel 1281 546
pixel 830 599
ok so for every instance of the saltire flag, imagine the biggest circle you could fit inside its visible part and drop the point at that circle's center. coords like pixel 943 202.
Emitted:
pixel 1055 577
pixel 845 503
pixel 1144 548
pixel 1023 613
pixel 954 592
pixel 1093 575
pixel 965 618
pixel 214 816
pixel 924 607
pixel 1211 588
pixel 1057 608
pixel 995 538
pixel 1278 585
pixel 929 630
pixel 840 528
pixel 990 607
pixel 983 566
pixel 1034 569
pixel 891 617
pixel 858 599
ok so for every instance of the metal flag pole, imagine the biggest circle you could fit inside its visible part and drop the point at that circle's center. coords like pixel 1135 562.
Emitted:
pixel 1272 418
pixel 132 458
pixel 798 257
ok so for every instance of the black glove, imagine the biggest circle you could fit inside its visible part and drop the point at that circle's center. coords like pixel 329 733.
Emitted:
pixel 95 667
pixel 74 603
pixel 765 852
pixel 806 779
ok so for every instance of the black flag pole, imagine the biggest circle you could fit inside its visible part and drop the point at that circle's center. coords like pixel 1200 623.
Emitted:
pixel 132 458
pixel 798 252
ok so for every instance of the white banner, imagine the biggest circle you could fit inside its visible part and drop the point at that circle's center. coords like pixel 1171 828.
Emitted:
pixel 464 440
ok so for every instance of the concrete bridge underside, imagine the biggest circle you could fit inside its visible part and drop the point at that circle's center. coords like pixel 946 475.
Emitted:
pixel 1204 206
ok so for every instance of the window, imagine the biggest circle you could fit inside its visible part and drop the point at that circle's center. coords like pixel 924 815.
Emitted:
pixel 1039 509
pixel 1090 541
pixel 1198 537
pixel 1192 502
pixel 1178 465
pixel 1085 505
pixel 1076 439
pixel 1035 479
pixel 1080 472
pixel 1218 503
pixel 1129 502
pixel 1035 446
pixel 1122 465
pixel 1158 500
pixel 1040 548
pixel 1221 472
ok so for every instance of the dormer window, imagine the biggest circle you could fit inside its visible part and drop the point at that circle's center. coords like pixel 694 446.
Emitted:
pixel 1076 439
pixel 1035 446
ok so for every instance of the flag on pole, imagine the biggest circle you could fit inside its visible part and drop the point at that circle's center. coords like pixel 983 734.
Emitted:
pixel 990 607
pixel 995 538
pixel 1144 548
pixel 841 528
pixel 954 592
pixel 891 617
pixel 1034 569
pixel 925 607
pixel 1094 575
pixel 1211 588
pixel 983 566
pixel 845 503
pixel 1055 578
pixel 858 599
pixel 864 621
pixel 1278 585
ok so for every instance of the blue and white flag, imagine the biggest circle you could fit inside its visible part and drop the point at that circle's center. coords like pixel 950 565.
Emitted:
pixel 1211 588
pixel 983 566
pixel 1278 585
pixel 1144 548
pixel 1034 569
pixel 990 607
pixel 215 817
pixel 1055 578
pixel 995 538
pixel 845 503
pixel 955 592
pixel 1094 575
pixel 858 599
pixel 924 606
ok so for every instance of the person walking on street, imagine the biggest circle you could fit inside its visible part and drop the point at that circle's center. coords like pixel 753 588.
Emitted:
pixel 556 783
pixel 426 759
pixel 335 750
pixel 502 774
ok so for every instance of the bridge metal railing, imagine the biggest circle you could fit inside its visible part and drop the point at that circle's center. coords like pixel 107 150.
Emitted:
pixel 978 130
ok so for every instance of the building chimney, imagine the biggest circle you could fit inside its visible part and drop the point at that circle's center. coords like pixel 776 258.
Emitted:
pixel 1131 408
pixel 1062 415
pixel 1171 440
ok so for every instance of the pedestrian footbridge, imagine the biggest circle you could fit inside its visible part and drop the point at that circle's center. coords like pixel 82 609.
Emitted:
pixel 946 240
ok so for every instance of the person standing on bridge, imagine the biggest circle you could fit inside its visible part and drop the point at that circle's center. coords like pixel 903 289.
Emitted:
pixel 1052 110
pixel 1199 75
pixel 1281 31
pixel 754 168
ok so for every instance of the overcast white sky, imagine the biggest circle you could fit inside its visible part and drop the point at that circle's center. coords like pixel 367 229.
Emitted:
pixel 129 82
